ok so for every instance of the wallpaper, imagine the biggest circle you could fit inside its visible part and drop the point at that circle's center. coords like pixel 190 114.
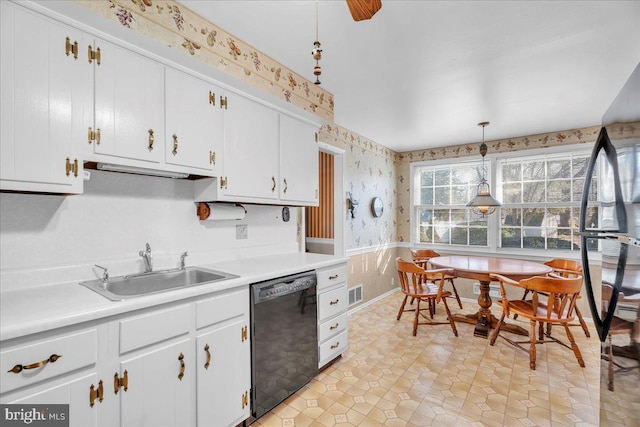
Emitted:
pixel 178 27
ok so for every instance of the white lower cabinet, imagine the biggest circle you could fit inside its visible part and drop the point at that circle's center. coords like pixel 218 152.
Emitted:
pixel 333 301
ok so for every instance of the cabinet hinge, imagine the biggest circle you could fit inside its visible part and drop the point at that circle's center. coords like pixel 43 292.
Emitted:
pixel 223 183
pixel 93 136
pixel 94 55
pixel 245 399
pixel 223 102
pixel 96 394
pixel 244 334
pixel 71 48
pixel 212 98
pixel 71 167
pixel 120 382
pixel 212 157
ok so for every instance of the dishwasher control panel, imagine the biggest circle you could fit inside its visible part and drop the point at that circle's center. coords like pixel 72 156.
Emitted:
pixel 283 286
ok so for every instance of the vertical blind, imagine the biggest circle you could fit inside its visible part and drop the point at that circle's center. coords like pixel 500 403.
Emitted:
pixel 320 219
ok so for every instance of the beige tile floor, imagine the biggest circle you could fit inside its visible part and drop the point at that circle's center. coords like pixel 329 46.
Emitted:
pixel 388 377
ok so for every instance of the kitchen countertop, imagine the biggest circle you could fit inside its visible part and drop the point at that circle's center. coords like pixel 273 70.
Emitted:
pixel 39 309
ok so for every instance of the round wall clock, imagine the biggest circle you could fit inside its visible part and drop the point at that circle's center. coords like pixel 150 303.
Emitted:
pixel 377 207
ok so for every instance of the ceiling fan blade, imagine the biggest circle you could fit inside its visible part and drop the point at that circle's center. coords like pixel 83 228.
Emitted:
pixel 363 9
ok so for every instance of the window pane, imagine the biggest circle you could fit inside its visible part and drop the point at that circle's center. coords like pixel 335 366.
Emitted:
pixel 461 175
pixel 533 171
pixel 533 192
pixel 561 217
pixel 441 235
pixel 426 196
pixel 559 191
pixel 532 216
pixel 592 219
pixel 557 169
pixel 579 167
pixel 578 185
pixel 512 193
pixel 459 216
pixel 478 236
pixel 511 217
pixel 442 177
pixel 533 238
pixel 510 237
pixel 426 178
pixel 459 195
pixel 593 191
pixel 426 216
pixel 459 236
pixel 442 195
pixel 559 239
pixel 511 172
pixel 426 234
pixel 441 216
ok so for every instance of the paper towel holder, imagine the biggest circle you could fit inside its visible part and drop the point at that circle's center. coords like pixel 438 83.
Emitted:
pixel 203 210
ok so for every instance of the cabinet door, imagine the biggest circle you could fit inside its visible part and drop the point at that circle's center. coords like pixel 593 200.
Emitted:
pixel 250 149
pixel 223 387
pixel 74 393
pixel 156 396
pixel 298 161
pixel 41 92
pixel 194 122
pixel 129 105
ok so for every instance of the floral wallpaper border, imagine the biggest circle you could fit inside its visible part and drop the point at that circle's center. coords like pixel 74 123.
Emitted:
pixel 178 27
pixel 337 135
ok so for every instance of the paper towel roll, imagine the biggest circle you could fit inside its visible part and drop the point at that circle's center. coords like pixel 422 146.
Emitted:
pixel 220 211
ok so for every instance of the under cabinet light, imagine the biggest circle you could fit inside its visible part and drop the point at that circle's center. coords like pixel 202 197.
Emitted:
pixel 140 171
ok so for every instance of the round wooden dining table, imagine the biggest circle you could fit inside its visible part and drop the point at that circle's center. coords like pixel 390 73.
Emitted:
pixel 479 268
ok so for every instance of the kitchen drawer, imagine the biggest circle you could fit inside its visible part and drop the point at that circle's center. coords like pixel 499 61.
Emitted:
pixel 330 276
pixel 332 327
pixel 332 302
pixel 222 307
pixel 139 331
pixel 333 347
pixel 77 350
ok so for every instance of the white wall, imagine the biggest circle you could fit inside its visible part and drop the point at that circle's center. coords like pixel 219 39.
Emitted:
pixel 47 238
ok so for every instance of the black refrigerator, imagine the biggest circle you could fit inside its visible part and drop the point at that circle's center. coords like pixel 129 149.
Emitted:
pixel 610 245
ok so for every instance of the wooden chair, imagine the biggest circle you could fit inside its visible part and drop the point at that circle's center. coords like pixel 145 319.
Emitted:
pixel 424 286
pixel 422 256
pixel 565 268
pixel 619 326
pixel 553 302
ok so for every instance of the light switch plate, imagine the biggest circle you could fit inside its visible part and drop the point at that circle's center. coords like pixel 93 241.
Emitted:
pixel 242 231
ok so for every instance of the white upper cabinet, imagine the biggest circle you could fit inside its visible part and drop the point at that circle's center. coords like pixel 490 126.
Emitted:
pixel 298 162
pixel 250 150
pixel 194 122
pixel 41 93
pixel 129 105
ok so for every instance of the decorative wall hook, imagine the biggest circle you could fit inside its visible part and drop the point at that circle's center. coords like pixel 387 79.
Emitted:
pixel 352 204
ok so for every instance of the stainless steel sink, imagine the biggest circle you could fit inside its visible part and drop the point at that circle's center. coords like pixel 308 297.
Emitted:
pixel 124 287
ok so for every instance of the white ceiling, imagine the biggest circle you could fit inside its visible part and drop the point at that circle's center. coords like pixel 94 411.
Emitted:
pixel 422 74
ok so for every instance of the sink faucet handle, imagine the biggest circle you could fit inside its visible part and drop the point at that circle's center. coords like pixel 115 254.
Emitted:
pixel 148 248
pixel 105 273
pixel 182 257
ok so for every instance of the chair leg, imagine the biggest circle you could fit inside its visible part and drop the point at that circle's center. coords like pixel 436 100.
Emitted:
pixel 574 346
pixel 610 364
pixel 532 347
pixel 496 331
pixel 415 319
pixel 582 322
pixel 455 292
pixel 541 330
pixel 404 301
pixel 453 325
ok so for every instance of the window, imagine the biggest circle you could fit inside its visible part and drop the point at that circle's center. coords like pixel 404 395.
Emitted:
pixel 541 201
pixel 440 195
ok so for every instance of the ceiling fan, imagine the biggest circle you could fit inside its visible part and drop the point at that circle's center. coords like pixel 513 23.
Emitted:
pixel 363 9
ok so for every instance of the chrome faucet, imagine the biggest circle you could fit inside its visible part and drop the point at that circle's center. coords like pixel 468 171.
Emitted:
pixel 182 257
pixel 148 260
pixel 105 273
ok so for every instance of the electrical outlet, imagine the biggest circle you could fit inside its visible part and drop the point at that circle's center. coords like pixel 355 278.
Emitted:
pixel 242 231
pixel 393 282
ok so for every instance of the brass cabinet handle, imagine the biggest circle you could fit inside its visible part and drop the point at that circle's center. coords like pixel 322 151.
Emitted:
pixel 206 348
pixel 212 98
pixel 96 394
pixel 273 181
pixel 285 186
pixel 19 368
pixel 336 345
pixel 175 144
pixel 71 48
pixel 331 328
pixel 181 359
pixel 93 55
pixel 334 302
pixel 151 139
pixel 120 382
pixel 335 276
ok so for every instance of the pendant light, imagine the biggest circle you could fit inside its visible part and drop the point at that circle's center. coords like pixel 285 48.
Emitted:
pixel 483 203
pixel 316 52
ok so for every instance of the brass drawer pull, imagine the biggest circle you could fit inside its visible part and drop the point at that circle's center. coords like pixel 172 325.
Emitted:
pixel 181 359
pixel 334 302
pixel 151 139
pixel 19 368
pixel 120 382
pixel 336 345
pixel 206 348
pixel 96 394
pixel 175 144
pixel 331 328
pixel 334 277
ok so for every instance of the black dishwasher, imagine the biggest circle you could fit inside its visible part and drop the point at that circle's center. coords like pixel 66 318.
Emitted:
pixel 284 344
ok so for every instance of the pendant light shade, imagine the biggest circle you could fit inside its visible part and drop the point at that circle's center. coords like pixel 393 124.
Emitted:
pixel 483 203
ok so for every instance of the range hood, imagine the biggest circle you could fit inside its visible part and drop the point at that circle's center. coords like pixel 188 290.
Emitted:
pixel 139 171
